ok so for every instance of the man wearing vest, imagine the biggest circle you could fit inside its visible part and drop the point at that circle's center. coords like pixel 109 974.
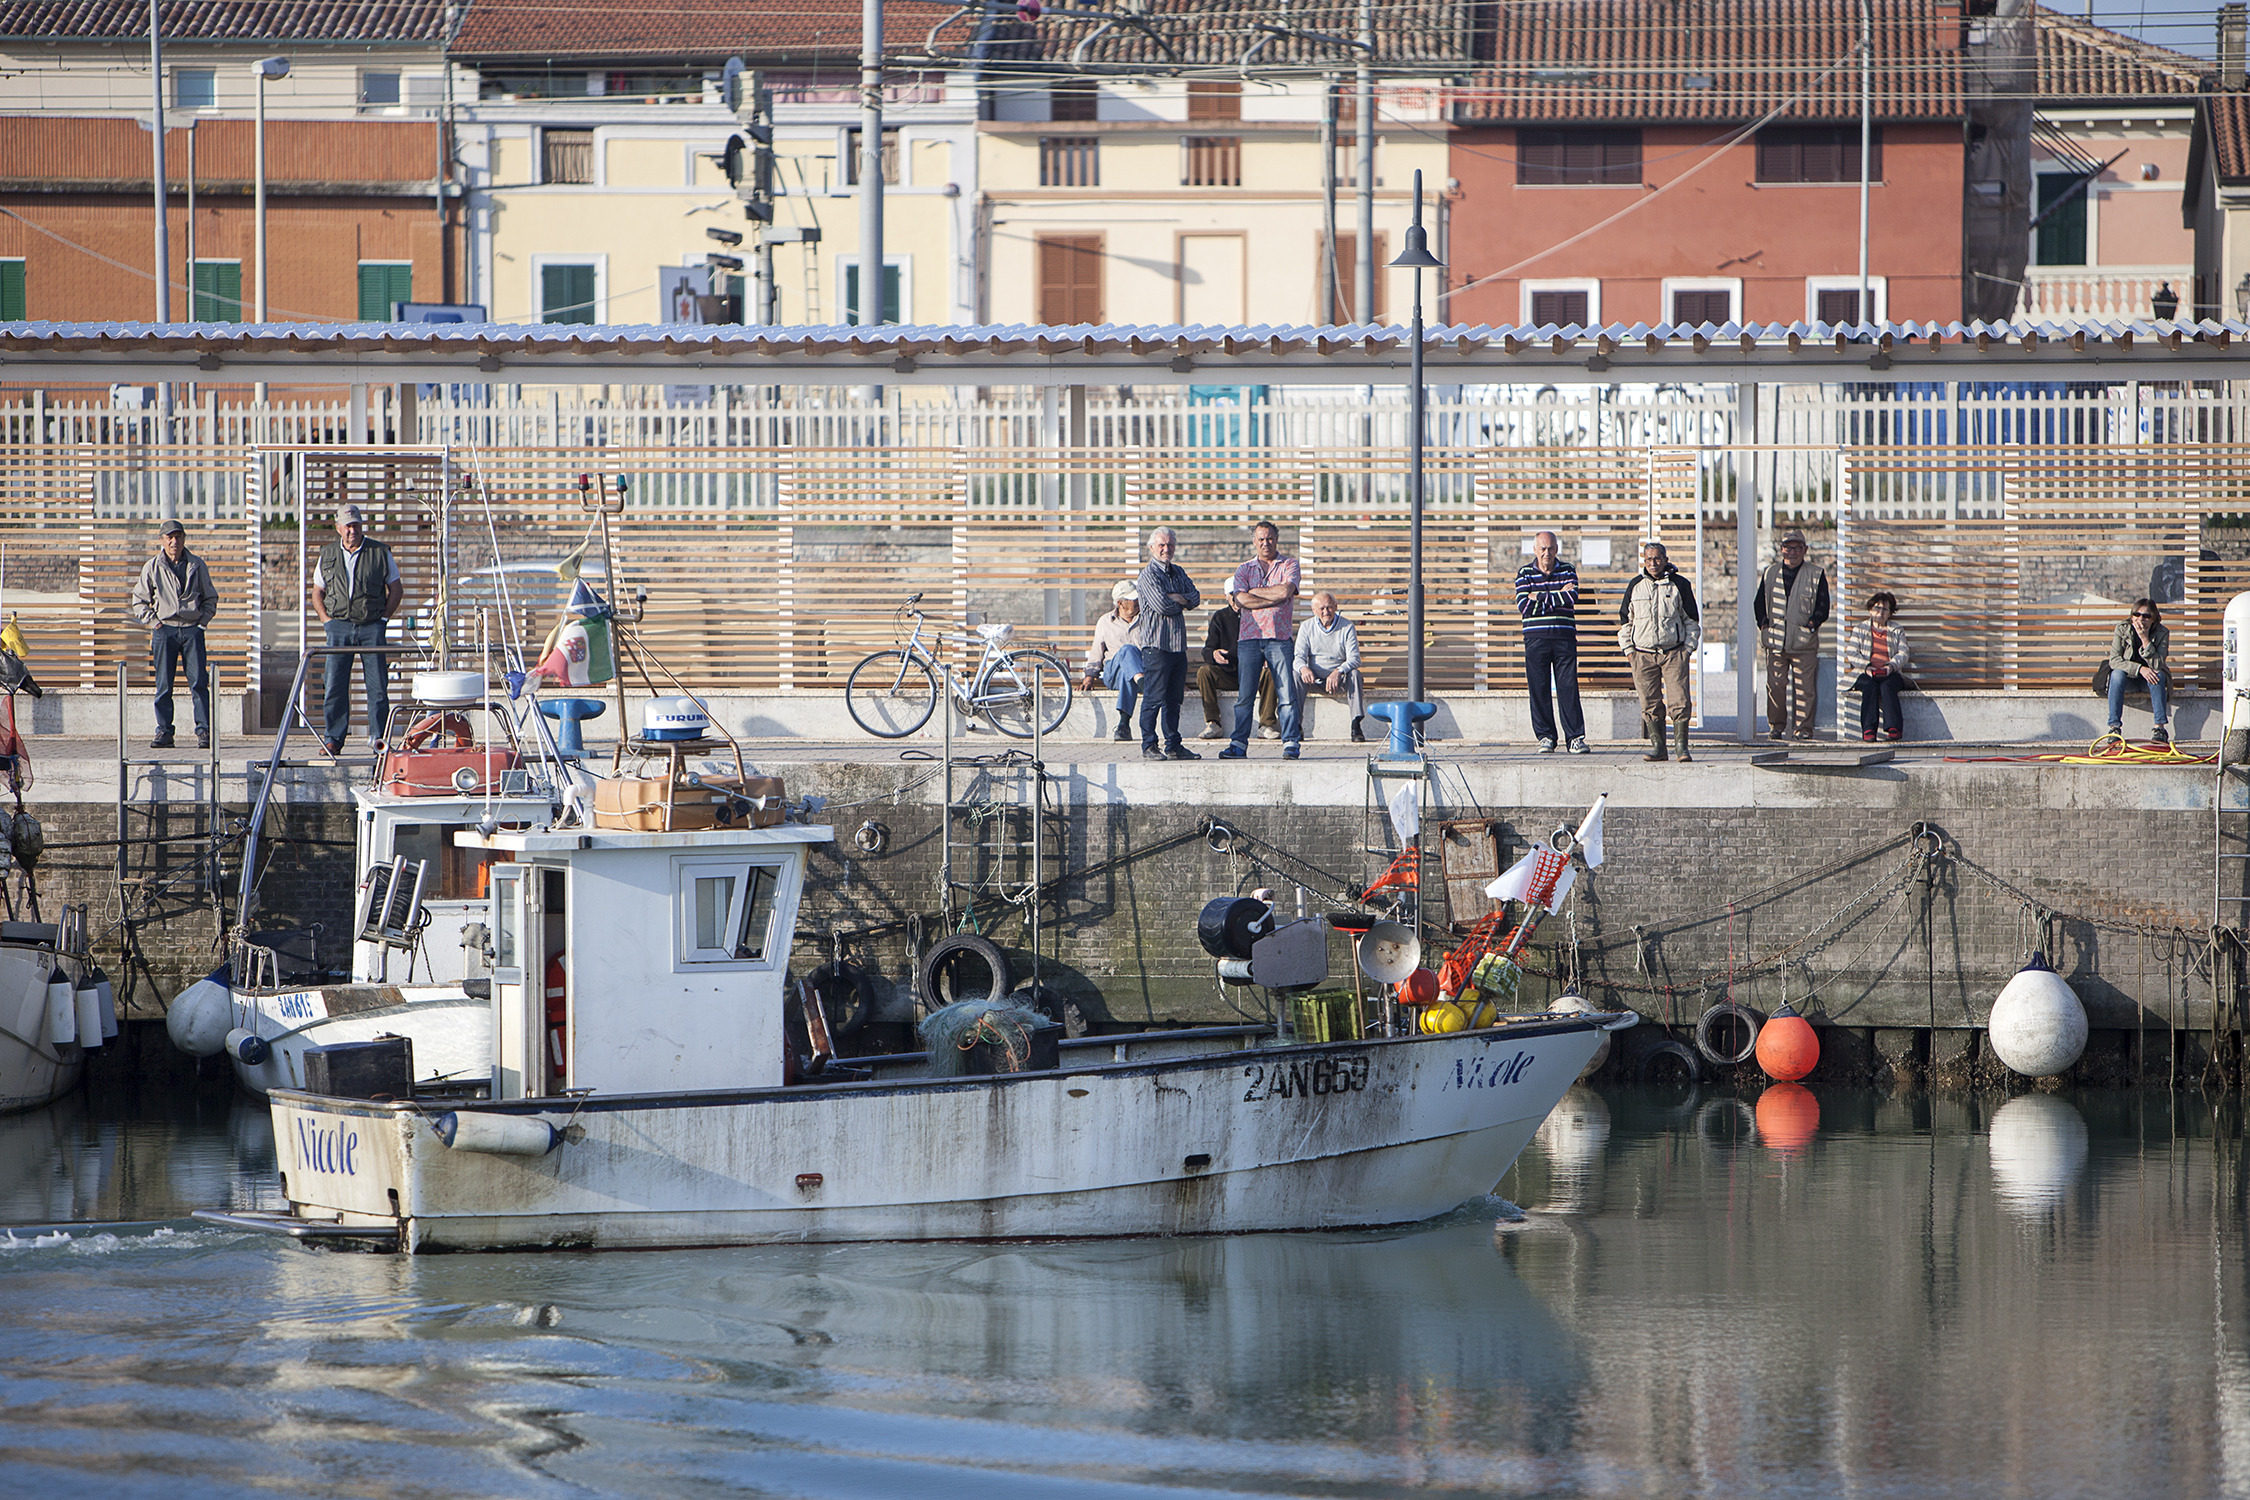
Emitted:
pixel 1657 625
pixel 355 586
pixel 1791 606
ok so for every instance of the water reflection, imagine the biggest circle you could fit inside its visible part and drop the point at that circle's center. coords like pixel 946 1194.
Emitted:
pixel 1819 1291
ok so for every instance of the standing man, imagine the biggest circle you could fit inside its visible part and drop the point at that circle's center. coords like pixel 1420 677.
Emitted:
pixel 1328 657
pixel 1547 598
pixel 355 586
pixel 1657 626
pixel 1791 606
pixel 1166 595
pixel 1266 589
pixel 1216 674
pixel 174 597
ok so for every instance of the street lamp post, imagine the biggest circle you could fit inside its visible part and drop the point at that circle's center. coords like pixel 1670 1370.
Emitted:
pixel 1415 257
pixel 265 67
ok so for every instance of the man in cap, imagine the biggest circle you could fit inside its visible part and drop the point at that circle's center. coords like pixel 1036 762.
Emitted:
pixel 175 599
pixel 1791 605
pixel 1216 673
pixel 1114 660
pixel 355 586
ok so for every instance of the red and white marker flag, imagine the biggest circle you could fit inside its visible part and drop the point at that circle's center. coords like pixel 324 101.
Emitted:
pixel 1543 877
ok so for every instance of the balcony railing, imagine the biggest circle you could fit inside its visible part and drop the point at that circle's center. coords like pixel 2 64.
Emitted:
pixel 2052 293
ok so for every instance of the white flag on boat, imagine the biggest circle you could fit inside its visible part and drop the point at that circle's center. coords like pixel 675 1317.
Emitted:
pixel 1541 878
pixel 1590 834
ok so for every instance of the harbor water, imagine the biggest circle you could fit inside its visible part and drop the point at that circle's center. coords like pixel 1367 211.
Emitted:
pixel 1673 1294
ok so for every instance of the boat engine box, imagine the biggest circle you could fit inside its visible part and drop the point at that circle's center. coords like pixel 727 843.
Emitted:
pixel 445 772
pixel 639 804
pixel 1045 1053
pixel 380 1069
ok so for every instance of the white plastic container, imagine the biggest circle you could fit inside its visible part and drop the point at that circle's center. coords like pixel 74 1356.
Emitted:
pixel 448 689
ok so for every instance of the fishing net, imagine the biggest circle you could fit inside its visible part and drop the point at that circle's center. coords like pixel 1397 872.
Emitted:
pixel 953 1031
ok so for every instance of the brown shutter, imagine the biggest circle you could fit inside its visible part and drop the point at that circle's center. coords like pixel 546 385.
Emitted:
pixel 1347 273
pixel 1070 278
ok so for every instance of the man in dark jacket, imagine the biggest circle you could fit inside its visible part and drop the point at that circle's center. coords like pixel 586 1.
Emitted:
pixel 355 587
pixel 1219 673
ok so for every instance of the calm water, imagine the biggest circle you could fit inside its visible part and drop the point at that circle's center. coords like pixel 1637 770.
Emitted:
pixel 1845 1295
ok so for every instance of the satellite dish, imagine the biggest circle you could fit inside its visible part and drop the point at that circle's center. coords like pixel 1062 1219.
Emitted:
pixel 1389 952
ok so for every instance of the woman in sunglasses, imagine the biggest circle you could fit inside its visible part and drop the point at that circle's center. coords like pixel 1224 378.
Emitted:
pixel 2136 656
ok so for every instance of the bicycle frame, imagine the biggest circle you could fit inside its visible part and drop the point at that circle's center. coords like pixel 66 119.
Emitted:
pixel 968 689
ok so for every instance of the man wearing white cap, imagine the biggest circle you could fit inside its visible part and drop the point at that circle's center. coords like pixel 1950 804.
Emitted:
pixel 1115 661
pixel 355 586
pixel 175 599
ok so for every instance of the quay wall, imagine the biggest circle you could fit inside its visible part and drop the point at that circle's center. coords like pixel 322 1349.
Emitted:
pixel 1808 886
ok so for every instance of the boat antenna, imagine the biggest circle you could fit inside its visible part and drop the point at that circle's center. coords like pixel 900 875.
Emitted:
pixel 509 645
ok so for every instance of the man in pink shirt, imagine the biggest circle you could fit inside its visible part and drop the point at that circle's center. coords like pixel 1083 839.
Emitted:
pixel 1266 588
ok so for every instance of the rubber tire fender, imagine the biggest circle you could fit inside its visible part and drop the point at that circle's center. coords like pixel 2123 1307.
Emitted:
pixel 949 951
pixel 1706 1031
pixel 1671 1048
pixel 844 982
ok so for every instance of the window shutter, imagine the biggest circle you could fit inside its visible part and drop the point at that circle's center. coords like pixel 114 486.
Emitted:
pixel 11 292
pixel 1561 308
pixel 566 294
pixel 218 291
pixel 1070 279
pixel 1692 308
pixel 380 285
pixel 851 294
pixel 1837 306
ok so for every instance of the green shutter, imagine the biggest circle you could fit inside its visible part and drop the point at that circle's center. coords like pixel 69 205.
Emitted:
pixel 218 291
pixel 2061 235
pixel 11 292
pixel 381 284
pixel 851 293
pixel 566 294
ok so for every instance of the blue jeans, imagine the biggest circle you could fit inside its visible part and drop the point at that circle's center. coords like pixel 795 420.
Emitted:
pixel 1275 657
pixel 1118 672
pixel 1550 671
pixel 2157 698
pixel 1163 684
pixel 335 681
pixel 169 648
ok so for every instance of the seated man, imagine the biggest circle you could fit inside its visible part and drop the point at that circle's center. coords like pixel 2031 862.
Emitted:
pixel 1114 661
pixel 1327 658
pixel 1217 673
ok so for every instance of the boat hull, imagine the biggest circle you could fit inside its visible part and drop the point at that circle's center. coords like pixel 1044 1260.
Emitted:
pixel 1272 1138
pixel 33 1070
pixel 452 1033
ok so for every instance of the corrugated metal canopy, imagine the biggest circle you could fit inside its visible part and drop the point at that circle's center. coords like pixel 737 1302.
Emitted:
pixel 1362 354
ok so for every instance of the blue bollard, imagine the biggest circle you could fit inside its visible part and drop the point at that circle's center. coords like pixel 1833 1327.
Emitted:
pixel 1402 718
pixel 567 712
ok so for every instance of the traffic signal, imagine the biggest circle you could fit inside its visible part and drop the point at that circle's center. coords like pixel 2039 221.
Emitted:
pixel 749 154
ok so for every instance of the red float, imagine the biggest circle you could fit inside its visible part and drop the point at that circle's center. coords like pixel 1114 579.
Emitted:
pixel 1418 988
pixel 1788 1047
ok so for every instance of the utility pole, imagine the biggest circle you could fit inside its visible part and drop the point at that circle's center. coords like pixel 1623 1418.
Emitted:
pixel 870 310
pixel 156 133
pixel 1866 133
pixel 1363 304
pixel 1328 87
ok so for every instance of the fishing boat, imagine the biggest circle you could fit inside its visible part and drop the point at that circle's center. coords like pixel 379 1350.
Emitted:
pixel 666 1103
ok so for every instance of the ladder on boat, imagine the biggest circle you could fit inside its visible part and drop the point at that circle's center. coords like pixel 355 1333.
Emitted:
pixel 995 830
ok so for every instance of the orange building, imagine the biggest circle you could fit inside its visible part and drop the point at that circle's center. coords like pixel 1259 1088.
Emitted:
pixel 1691 161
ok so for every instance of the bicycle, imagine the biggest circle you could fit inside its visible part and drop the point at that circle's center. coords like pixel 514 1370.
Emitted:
pixel 893 693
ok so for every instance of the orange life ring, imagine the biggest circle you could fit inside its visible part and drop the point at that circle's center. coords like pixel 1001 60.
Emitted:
pixel 430 728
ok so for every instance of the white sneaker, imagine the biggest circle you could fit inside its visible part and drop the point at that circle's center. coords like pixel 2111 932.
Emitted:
pixel 1578 746
pixel 1212 732
pixel 1546 747
pixel 1269 733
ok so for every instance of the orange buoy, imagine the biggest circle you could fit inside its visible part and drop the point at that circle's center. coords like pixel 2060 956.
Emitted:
pixel 1788 1047
pixel 1788 1118
pixel 1418 988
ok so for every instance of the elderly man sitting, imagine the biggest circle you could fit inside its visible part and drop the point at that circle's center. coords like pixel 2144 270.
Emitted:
pixel 1114 660
pixel 1328 657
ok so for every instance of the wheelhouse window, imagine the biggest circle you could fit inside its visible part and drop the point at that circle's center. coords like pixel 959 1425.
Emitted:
pixel 456 874
pixel 726 911
pixel 1568 158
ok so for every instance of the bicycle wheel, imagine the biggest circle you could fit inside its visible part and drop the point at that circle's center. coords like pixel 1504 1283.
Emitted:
pixel 1006 698
pixel 891 694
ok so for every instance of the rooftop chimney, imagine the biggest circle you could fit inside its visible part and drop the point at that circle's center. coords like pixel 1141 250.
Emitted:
pixel 2234 29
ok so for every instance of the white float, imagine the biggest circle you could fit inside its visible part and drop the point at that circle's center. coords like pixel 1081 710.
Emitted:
pixel 200 1016
pixel 2038 1026
pixel 1571 1003
pixel 448 689
pixel 2234 679
pixel 2038 1150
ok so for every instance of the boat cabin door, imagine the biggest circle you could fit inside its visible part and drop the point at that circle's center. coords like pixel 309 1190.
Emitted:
pixel 530 1002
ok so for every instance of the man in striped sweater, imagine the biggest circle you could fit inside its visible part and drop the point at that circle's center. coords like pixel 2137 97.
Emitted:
pixel 1547 598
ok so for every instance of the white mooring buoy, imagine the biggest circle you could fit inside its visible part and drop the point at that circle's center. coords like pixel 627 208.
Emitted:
pixel 2038 1026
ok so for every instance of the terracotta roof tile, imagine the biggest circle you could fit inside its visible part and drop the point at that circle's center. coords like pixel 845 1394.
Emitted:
pixel 1711 60
pixel 2226 125
pixel 1223 33
pixel 228 20
pixel 2079 61
pixel 687 31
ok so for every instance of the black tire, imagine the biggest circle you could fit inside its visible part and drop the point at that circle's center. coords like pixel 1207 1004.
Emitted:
pixel 938 978
pixel 1666 1057
pixel 1006 698
pixel 1721 1017
pixel 847 994
pixel 891 694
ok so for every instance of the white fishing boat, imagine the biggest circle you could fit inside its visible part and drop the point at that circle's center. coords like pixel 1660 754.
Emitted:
pixel 55 1007
pixel 668 1105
